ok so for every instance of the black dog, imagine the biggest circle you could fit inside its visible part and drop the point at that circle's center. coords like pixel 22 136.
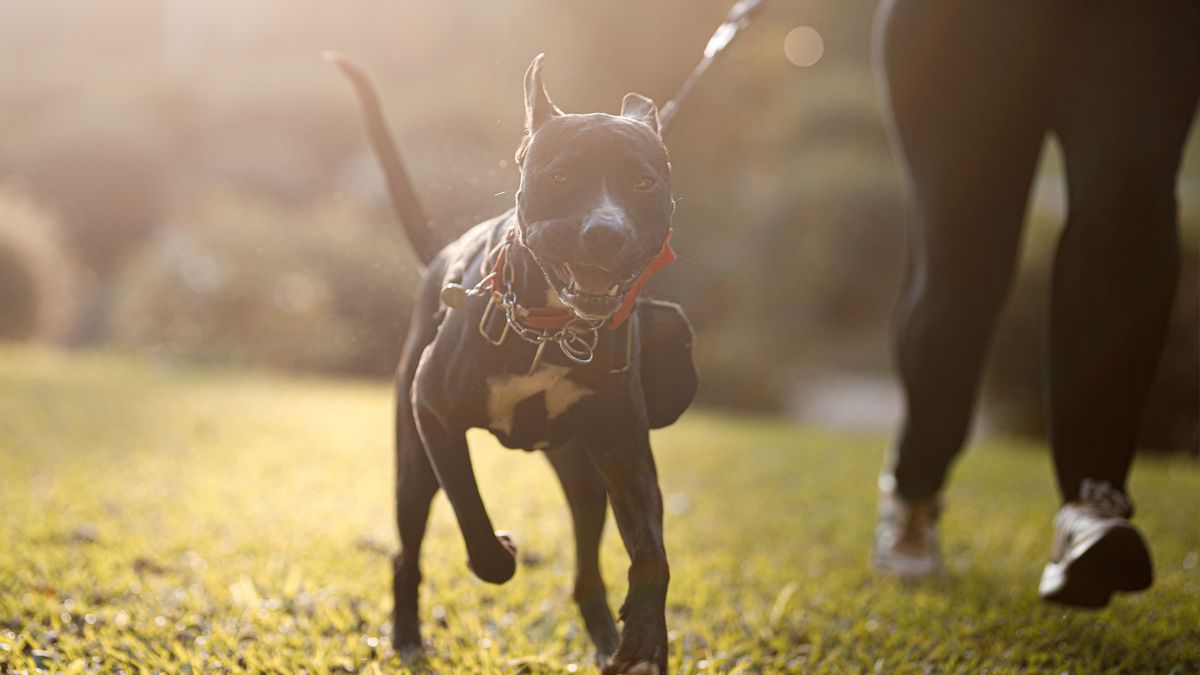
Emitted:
pixel 529 326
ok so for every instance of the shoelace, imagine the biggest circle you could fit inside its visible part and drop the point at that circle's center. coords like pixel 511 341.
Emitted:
pixel 1101 498
pixel 918 518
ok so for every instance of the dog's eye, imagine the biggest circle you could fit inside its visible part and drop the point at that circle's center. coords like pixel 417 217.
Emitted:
pixel 560 178
pixel 644 184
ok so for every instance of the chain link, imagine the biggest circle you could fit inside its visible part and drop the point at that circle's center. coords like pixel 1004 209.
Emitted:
pixel 577 339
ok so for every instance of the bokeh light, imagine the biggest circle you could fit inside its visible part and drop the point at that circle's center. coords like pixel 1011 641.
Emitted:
pixel 803 46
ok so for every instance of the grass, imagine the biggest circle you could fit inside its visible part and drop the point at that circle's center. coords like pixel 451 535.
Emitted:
pixel 164 519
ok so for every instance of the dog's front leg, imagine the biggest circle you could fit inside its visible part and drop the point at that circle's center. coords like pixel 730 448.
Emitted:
pixel 632 483
pixel 491 557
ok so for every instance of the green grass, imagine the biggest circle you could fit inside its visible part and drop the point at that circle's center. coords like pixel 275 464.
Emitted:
pixel 188 519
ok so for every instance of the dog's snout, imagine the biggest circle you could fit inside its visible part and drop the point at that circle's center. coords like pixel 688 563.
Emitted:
pixel 604 233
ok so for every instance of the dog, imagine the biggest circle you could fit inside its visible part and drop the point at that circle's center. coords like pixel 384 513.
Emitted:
pixel 530 325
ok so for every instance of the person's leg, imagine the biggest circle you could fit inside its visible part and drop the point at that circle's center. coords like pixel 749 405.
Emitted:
pixel 1127 85
pixel 963 115
pixel 1126 88
pixel 960 86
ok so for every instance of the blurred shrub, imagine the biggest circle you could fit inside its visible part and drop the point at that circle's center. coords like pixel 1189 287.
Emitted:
pixel 792 242
pixel 812 286
pixel 104 164
pixel 39 278
pixel 319 287
pixel 1172 417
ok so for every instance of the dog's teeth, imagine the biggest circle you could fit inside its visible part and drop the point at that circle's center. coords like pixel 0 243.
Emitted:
pixel 613 291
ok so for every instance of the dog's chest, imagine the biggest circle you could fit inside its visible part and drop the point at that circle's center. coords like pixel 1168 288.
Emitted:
pixel 522 409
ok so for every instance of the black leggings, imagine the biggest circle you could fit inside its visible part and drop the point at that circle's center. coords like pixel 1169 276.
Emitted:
pixel 972 89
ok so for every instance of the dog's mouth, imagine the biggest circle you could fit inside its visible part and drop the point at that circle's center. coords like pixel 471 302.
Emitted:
pixel 591 290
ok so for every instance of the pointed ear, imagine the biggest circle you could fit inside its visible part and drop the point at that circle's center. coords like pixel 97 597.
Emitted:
pixel 538 107
pixel 640 108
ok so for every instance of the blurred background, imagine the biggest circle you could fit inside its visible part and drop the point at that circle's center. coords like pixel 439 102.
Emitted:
pixel 188 180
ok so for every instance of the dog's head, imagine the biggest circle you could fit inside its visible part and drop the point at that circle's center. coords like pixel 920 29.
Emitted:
pixel 595 199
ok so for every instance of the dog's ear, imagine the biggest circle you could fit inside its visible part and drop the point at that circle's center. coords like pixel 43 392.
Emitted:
pixel 640 108
pixel 538 107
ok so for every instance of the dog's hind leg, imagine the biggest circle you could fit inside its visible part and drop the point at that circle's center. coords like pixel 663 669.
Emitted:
pixel 416 486
pixel 588 500
pixel 416 483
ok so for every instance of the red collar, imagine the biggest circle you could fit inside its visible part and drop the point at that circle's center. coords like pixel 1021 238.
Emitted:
pixel 554 318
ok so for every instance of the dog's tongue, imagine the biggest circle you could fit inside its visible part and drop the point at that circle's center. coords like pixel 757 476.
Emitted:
pixel 591 279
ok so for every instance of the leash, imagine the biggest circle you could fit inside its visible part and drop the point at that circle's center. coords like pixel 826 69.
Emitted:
pixel 575 336
pixel 740 16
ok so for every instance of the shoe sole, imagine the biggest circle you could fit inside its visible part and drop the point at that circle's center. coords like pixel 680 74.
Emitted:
pixel 905 568
pixel 1116 559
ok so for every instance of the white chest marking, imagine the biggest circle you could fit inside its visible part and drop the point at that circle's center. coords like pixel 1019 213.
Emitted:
pixel 506 391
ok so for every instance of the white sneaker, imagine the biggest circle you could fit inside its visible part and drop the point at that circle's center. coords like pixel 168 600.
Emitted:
pixel 1096 551
pixel 906 543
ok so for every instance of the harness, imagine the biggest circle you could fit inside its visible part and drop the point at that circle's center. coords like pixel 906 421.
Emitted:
pixel 580 340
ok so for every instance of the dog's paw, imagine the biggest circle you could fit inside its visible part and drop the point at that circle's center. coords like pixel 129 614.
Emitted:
pixel 407 640
pixel 499 564
pixel 406 631
pixel 639 668
pixel 640 653
pixel 408 648
pixel 414 657
pixel 507 542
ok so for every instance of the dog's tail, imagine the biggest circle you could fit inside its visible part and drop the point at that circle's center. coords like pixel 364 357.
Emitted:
pixel 408 209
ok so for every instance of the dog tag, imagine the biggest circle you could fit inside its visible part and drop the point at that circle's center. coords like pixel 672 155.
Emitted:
pixel 454 296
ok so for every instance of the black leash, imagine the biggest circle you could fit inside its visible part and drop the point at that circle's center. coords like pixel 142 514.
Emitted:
pixel 740 16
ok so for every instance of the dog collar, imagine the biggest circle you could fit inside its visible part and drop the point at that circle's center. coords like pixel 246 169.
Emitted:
pixel 556 318
pixel 577 337
pixel 666 256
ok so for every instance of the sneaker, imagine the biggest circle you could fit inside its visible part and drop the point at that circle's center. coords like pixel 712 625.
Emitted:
pixel 1097 551
pixel 906 544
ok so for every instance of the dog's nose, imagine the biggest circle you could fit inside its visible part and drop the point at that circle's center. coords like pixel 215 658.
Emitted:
pixel 604 234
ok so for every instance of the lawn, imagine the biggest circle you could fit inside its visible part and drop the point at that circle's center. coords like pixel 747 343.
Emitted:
pixel 179 519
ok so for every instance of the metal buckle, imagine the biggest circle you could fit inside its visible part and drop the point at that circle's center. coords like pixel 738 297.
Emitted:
pixel 483 322
pixel 628 347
